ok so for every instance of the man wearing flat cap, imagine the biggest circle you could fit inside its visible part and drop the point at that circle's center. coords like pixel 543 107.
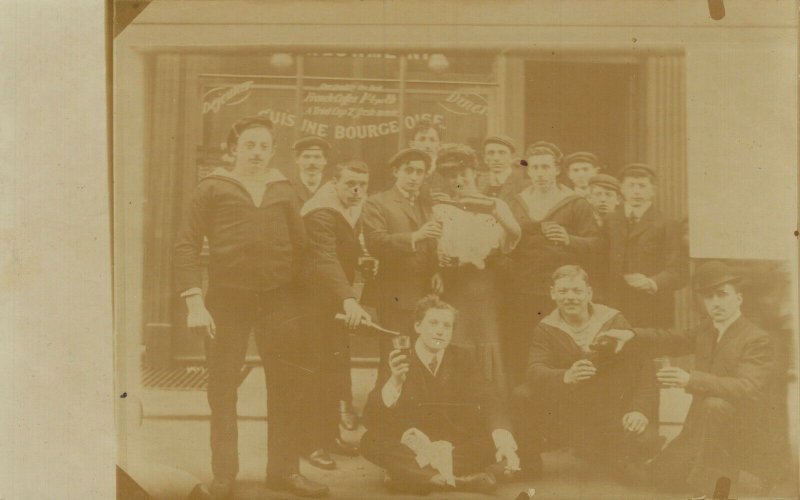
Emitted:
pixel 647 259
pixel 310 158
pixel 604 196
pixel 733 365
pixel 579 168
pixel 503 177
pixel 399 231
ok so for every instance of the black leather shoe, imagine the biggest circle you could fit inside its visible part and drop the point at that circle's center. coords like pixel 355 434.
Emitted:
pixel 320 458
pixel 482 482
pixel 218 489
pixel 342 447
pixel 299 485
pixel 348 418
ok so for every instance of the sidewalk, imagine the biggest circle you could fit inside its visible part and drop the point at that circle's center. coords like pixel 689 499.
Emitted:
pixel 170 454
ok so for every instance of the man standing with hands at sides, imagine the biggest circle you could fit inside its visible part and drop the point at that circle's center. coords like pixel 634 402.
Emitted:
pixel 734 362
pixel 580 167
pixel 256 238
pixel 311 158
pixel 400 233
pixel 333 222
pixel 433 422
pixel 647 258
pixel 579 394
pixel 503 178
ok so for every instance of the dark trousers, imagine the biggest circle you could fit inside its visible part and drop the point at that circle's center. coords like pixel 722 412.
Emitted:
pixel 703 452
pixel 399 461
pixel 272 317
pixel 521 314
pixel 595 431
pixel 332 382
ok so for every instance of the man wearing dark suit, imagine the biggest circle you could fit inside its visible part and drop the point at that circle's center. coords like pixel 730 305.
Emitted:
pixel 647 258
pixel 399 232
pixel 333 223
pixel 434 422
pixel 733 364
pixel 311 158
pixel 256 240
pixel 503 178
pixel 577 393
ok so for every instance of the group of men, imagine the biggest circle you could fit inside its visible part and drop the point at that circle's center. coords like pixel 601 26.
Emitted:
pixel 285 254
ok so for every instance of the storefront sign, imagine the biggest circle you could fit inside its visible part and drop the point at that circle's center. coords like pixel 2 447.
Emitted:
pixel 465 103
pixel 215 98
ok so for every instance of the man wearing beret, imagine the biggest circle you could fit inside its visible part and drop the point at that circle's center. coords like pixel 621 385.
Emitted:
pixel 400 233
pixel 503 178
pixel 648 261
pixel 580 167
pixel 250 218
pixel 733 365
pixel 311 158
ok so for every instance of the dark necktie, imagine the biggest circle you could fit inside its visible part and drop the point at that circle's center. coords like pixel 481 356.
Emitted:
pixel 433 364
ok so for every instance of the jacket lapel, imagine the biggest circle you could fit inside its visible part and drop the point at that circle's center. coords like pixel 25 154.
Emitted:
pixel 404 204
pixel 706 344
pixel 649 218
pixel 733 331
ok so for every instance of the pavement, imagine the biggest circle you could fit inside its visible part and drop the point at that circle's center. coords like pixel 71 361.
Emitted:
pixel 168 453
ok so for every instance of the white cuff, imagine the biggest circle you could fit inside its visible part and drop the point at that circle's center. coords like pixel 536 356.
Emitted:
pixel 191 291
pixel 390 394
pixel 503 439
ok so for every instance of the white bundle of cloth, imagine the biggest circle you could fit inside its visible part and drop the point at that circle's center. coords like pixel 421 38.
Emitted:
pixel 469 236
pixel 437 454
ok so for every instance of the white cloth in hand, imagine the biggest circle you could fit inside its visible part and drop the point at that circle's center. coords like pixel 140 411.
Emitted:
pixel 437 454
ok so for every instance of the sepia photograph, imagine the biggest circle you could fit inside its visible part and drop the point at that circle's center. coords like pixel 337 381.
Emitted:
pixel 459 249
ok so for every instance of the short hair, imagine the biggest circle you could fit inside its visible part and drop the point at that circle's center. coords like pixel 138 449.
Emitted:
pixel 245 124
pixel 570 271
pixel 356 166
pixel 425 124
pixel 429 302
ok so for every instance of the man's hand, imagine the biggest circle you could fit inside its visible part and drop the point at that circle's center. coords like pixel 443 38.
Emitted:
pixel 431 229
pixel 581 370
pixel 398 364
pixel 199 320
pixel 510 456
pixel 622 336
pixel 639 282
pixel 354 314
pixel 437 284
pixel 634 422
pixel 672 376
pixel 557 234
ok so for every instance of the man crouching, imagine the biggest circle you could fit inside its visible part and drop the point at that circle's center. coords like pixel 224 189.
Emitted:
pixel 434 422
pixel 579 393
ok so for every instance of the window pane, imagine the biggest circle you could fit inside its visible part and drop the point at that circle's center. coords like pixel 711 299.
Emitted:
pixel 463 114
pixel 352 65
pixel 451 67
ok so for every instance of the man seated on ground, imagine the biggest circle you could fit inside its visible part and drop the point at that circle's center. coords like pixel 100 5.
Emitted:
pixel 734 363
pixel 434 422
pixel 580 393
